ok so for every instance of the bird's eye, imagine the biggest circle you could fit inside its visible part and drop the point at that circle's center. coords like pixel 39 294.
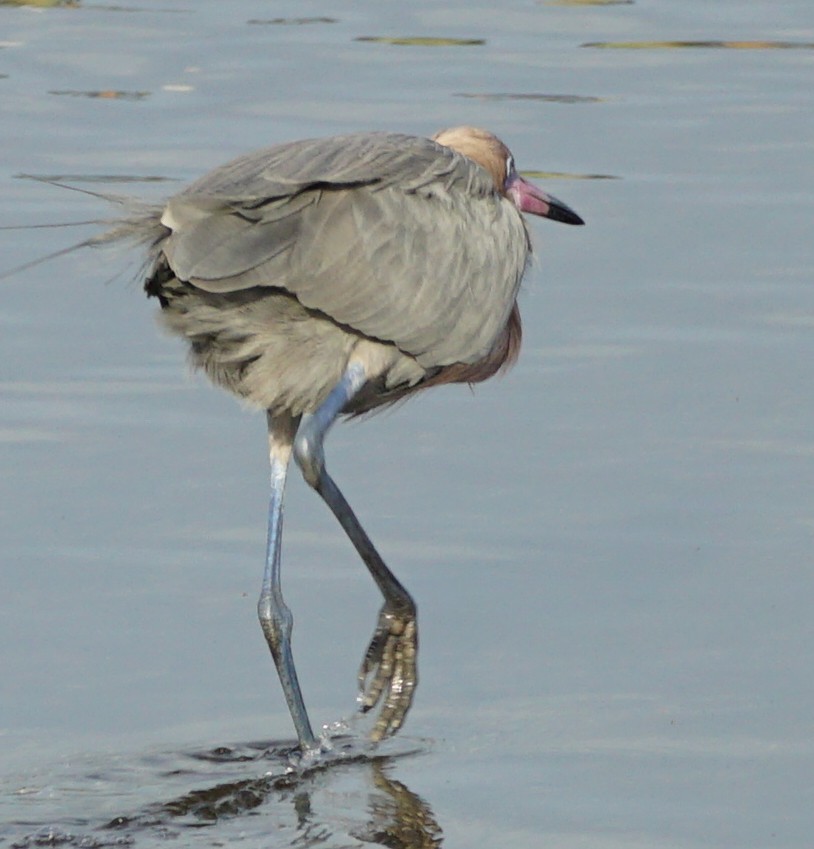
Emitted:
pixel 509 165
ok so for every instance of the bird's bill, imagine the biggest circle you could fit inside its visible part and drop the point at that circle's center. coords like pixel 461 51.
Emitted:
pixel 528 198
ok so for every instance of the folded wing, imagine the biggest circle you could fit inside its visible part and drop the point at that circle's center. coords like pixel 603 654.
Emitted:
pixel 396 237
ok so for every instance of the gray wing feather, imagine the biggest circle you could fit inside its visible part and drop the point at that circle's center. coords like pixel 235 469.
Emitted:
pixel 360 158
pixel 228 240
pixel 394 236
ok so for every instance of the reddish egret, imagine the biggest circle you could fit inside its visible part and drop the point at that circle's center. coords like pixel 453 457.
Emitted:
pixel 329 277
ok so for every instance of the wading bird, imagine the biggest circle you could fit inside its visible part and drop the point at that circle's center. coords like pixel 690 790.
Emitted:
pixel 329 277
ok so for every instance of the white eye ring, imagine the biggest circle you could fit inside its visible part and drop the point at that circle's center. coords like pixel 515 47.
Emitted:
pixel 509 165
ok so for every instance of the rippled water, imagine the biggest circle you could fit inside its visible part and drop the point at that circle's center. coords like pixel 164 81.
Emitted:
pixel 610 548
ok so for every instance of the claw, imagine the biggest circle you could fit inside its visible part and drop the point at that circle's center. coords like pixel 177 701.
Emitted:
pixel 388 673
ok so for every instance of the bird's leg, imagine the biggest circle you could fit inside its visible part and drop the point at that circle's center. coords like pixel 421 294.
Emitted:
pixel 389 669
pixel 275 617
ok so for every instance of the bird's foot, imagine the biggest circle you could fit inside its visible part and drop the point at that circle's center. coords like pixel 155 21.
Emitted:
pixel 389 671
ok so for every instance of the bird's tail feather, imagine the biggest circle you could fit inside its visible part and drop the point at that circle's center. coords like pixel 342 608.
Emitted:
pixel 139 225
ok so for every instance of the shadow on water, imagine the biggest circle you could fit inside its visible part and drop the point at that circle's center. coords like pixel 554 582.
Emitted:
pixel 251 791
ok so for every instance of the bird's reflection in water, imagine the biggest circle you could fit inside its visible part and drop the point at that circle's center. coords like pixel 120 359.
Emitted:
pixel 399 817
pixel 345 798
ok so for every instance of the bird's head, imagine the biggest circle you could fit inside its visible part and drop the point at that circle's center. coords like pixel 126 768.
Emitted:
pixel 490 153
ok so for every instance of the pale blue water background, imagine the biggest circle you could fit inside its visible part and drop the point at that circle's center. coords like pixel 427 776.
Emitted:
pixel 611 548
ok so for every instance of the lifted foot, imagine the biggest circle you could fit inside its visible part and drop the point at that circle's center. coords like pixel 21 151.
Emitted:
pixel 389 672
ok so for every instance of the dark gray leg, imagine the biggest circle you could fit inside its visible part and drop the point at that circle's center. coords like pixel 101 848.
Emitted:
pixel 389 670
pixel 275 617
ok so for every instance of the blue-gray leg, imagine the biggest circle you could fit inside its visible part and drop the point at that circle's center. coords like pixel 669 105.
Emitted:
pixel 275 617
pixel 389 669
